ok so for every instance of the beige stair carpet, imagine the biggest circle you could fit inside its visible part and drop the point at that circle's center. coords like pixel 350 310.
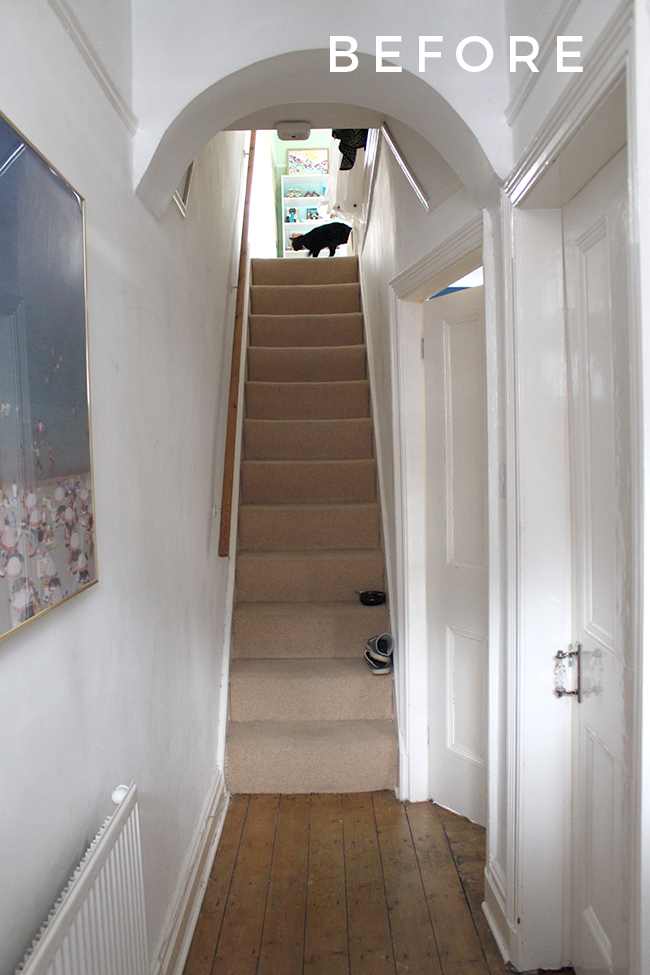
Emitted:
pixel 306 714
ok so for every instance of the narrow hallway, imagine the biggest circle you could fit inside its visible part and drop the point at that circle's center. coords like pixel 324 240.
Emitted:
pixel 348 884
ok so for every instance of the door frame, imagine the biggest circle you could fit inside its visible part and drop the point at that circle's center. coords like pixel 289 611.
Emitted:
pixel 456 256
pixel 532 918
pixel 527 890
pixel 457 574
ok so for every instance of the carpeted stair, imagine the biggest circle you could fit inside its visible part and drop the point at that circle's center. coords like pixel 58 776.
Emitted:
pixel 306 714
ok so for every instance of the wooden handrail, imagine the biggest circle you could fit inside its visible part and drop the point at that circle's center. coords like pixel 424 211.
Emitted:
pixel 235 368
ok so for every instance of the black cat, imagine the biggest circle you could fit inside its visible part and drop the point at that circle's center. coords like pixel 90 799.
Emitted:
pixel 328 235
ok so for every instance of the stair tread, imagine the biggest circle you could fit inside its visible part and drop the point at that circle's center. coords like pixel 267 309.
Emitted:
pixel 322 363
pixel 308 348
pixel 306 400
pixel 308 689
pixel 347 438
pixel 274 270
pixel 314 298
pixel 286 331
pixel 305 629
pixel 333 555
pixel 314 462
pixel 311 481
pixel 308 383
pixel 312 756
pixel 311 317
pixel 325 421
pixel 306 610
pixel 309 287
pixel 307 668
pixel 357 731
pixel 308 526
pixel 315 506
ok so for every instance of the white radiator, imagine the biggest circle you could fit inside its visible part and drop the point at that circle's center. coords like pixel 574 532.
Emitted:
pixel 97 926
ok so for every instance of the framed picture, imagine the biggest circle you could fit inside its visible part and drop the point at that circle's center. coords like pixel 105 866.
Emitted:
pixel 47 542
pixel 307 161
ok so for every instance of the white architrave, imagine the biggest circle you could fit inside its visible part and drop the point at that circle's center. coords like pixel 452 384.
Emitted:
pixel 529 914
pixel 639 145
pixel 411 673
pixel 443 265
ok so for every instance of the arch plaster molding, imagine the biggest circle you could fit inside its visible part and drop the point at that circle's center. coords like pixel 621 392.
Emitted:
pixel 302 78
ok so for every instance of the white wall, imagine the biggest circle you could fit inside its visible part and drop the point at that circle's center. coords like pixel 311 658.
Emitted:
pixel 106 27
pixel 122 682
pixel 400 232
pixel 178 55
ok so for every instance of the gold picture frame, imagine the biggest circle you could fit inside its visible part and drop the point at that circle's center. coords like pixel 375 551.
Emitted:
pixel 47 534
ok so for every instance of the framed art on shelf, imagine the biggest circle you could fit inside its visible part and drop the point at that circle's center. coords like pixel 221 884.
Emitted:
pixel 47 544
pixel 307 161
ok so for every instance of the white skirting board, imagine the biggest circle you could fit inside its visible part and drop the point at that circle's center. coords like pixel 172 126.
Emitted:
pixel 176 936
pixel 494 910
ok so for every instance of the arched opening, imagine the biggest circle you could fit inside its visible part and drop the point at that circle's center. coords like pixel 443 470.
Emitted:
pixel 299 84
pixel 449 162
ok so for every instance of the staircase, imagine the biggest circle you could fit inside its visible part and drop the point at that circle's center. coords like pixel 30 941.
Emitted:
pixel 306 714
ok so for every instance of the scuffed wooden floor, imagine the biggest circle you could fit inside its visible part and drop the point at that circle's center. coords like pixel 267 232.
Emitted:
pixel 357 884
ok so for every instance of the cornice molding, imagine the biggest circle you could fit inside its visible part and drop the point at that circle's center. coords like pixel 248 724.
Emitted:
pixel 81 41
pixel 460 245
pixel 603 67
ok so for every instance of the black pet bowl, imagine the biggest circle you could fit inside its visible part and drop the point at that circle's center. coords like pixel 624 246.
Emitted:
pixel 372 598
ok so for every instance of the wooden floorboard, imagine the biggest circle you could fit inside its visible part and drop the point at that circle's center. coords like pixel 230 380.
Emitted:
pixel 241 929
pixel 326 925
pixel 369 937
pixel 356 884
pixel 283 937
pixel 414 943
pixel 460 949
pixel 208 927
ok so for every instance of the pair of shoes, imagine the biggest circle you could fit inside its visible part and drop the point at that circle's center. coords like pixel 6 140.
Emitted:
pixel 375 666
pixel 379 653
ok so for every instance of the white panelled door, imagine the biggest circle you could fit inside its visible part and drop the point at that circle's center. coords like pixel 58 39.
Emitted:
pixel 456 471
pixel 595 246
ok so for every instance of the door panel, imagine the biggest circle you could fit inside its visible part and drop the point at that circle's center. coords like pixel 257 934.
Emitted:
pixel 595 248
pixel 456 451
pixel 466 683
pixel 595 324
pixel 463 344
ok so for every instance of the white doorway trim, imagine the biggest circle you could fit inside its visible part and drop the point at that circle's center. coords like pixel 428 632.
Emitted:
pixel 530 917
pixel 446 263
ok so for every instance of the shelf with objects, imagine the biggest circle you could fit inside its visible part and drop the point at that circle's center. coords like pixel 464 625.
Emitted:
pixel 304 207
pixel 302 195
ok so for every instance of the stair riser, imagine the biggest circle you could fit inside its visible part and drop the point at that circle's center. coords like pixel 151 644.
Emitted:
pixel 328 364
pixel 307 401
pixel 310 764
pixel 310 579
pixel 300 331
pixel 334 634
pixel 254 699
pixel 308 439
pixel 276 482
pixel 316 299
pixel 288 528
pixel 281 271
